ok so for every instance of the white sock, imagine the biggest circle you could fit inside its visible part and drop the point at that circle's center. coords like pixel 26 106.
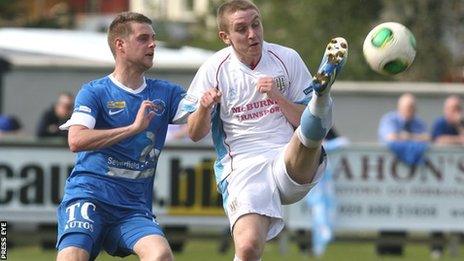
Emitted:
pixel 321 106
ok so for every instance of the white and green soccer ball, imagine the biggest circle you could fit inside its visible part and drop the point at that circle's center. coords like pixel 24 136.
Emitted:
pixel 389 48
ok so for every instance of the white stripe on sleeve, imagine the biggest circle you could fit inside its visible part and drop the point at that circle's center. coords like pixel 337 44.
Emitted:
pixel 79 118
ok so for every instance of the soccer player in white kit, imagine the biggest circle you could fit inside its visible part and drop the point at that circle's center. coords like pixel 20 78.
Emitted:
pixel 252 95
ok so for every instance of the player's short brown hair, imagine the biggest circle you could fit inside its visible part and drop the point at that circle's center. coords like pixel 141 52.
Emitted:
pixel 121 26
pixel 230 7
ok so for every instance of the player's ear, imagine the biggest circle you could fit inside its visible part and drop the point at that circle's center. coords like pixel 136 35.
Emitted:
pixel 118 44
pixel 224 37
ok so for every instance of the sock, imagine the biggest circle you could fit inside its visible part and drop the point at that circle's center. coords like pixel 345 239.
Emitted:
pixel 316 121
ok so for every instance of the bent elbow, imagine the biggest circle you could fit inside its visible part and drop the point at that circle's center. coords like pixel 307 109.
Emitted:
pixel 194 137
pixel 73 148
pixel 198 135
pixel 74 145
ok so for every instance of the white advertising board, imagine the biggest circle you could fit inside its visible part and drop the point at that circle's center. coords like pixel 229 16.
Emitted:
pixel 32 181
pixel 373 190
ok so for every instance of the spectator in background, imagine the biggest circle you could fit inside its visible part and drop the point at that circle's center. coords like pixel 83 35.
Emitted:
pixel 406 136
pixel 449 128
pixel 404 133
pixel 334 141
pixel 9 125
pixel 403 124
pixel 55 116
pixel 322 201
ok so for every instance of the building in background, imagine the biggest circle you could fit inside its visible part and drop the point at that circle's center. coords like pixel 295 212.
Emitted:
pixel 31 75
pixel 184 11
pixel 36 12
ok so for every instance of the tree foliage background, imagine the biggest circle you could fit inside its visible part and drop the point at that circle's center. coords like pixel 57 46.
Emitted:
pixel 307 25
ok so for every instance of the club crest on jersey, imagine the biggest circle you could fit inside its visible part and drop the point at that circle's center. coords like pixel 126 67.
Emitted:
pixel 160 107
pixel 232 95
pixel 116 104
pixel 281 83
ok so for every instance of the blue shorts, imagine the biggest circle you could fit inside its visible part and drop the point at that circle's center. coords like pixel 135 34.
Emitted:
pixel 92 225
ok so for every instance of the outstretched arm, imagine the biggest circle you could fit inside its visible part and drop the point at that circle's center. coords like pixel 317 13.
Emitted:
pixel 199 122
pixel 450 139
pixel 81 138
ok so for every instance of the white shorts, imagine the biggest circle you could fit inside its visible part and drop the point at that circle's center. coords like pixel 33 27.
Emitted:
pixel 260 185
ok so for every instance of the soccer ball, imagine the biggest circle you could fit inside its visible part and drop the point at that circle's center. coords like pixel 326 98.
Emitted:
pixel 389 48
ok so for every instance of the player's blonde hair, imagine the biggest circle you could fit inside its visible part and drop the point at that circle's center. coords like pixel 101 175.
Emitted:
pixel 121 27
pixel 230 7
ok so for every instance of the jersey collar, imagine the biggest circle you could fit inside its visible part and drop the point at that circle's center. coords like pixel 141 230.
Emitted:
pixel 246 67
pixel 127 89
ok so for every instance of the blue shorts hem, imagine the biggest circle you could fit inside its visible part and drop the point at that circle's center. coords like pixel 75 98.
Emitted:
pixel 79 240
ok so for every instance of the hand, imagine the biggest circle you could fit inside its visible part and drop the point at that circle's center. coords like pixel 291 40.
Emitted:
pixel 268 86
pixel 210 98
pixel 404 135
pixel 144 116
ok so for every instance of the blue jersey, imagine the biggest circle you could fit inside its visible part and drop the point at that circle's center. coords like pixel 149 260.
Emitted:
pixel 393 122
pixel 122 174
pixel 441 127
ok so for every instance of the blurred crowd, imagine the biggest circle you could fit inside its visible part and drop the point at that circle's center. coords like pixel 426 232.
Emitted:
pixel 408 137
pixel 404 124
pixel 49 121
pixel 399 126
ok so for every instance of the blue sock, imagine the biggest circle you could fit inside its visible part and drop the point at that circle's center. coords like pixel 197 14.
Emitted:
pixel 316 121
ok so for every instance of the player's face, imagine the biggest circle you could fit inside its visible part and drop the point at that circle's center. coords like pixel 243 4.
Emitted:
pixel 140 45
pixel 245 34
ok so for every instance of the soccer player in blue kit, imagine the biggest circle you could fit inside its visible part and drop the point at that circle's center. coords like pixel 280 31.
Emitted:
pixel 118 129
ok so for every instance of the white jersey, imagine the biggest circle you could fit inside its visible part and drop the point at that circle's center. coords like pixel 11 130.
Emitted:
pixel 247 123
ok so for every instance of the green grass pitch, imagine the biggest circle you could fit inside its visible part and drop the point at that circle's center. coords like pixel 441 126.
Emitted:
pixel 206 250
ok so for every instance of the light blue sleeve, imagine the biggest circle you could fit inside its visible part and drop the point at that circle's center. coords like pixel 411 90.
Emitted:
pixel 202 81
pixel 180 106
pixel 387 125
